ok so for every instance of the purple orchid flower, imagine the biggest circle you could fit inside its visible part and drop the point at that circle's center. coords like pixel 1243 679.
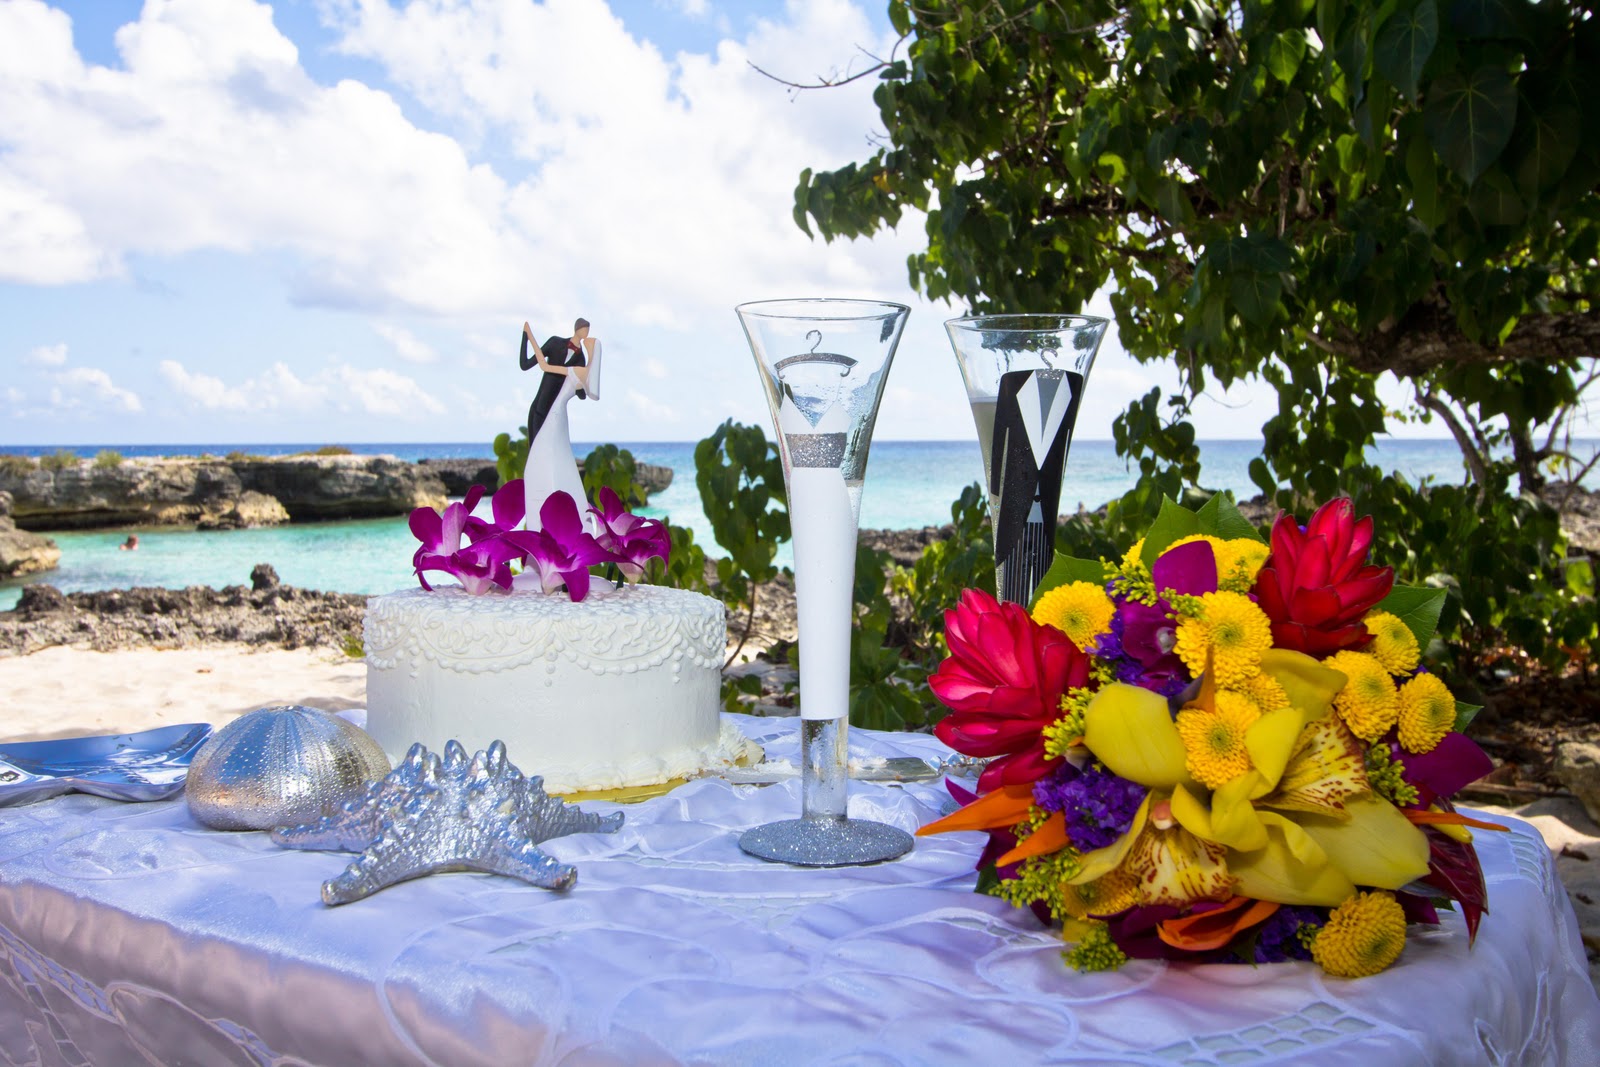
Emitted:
pixel 1455 762
pixel 509 504
pixel 1144 635
pixel 481 564
pixel 632 540
pixel 485 560
pixel 1189 569
pixel 563 551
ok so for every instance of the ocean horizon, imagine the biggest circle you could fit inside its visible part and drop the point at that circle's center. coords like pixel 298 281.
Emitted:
pixel 909 485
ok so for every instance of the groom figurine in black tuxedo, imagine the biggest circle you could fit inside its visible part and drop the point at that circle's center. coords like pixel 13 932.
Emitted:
pixel 562 351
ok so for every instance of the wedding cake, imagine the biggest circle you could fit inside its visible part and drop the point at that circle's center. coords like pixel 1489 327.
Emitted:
pixel 589 686
pixel 620 689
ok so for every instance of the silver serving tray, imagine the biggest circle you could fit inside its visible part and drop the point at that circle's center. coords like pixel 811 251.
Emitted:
pixel 150 765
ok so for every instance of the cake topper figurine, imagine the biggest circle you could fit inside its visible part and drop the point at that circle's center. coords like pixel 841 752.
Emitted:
pixel 571 368
pixel 566 534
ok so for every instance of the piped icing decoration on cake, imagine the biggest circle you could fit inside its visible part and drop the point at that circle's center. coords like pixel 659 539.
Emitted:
pixel 483 554
pixel 635 629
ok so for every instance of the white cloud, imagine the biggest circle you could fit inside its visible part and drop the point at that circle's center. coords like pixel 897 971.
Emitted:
pixel 407 345
pixel 380 392
pixel 203 390
pixel 14 396
pixel 88 384
pixel 212 136
pixel 662 188
pixel 649 407
pixel 648 192
pixel 48 355
pixel 338 388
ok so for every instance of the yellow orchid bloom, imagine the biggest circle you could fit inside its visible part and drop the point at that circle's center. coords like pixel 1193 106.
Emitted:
pixel 1131 731
pixel 1302 824
pixel 1160 858
pixel 1274 873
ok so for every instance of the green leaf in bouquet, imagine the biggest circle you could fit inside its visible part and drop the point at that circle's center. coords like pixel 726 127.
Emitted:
pixel 1068 569
pixel 1172 523
pixel 1221 517
pixel 1465 713
pixel 1417 608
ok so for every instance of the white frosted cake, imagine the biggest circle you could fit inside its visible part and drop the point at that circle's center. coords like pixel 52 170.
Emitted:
pixel 621 689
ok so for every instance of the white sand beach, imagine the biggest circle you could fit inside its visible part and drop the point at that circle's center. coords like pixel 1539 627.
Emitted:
pixel 66 692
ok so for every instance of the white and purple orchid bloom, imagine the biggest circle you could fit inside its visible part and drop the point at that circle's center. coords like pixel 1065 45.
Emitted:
pixel 558 555
pixel 484 562
pixel 632 540
pixel 562 552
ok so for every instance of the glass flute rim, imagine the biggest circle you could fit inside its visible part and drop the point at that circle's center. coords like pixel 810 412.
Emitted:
pixel 1027 321
pixel 767 309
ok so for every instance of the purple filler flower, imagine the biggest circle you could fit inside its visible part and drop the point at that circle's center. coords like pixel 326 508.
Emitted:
pixel 1279 939
pixel 632 540
pixel 1098 806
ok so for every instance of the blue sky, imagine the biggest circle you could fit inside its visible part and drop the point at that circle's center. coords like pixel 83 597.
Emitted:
pixel 326 220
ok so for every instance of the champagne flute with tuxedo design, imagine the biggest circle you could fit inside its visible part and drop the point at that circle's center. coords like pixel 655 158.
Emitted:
pixel 1025 376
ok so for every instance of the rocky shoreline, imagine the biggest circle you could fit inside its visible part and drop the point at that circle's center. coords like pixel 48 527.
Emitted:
pixel 239 491
pixel 262 614
pixel 21 552
pixel 268 613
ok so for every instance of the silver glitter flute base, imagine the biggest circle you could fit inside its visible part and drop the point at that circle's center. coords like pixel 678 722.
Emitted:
pixel 826 842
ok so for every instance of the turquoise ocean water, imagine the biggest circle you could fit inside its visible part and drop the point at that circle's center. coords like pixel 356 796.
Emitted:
pixel 909 484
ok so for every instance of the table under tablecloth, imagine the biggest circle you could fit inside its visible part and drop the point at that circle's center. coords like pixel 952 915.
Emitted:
pixel 130 933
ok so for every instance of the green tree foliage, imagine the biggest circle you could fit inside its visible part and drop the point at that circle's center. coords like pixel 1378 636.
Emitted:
pixel 610 467
pixel 740 479
pixel 511 455
pixel 1308 192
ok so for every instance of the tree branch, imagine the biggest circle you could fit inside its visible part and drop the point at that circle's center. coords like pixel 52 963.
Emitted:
pixel 1475 461
pixel 1428 337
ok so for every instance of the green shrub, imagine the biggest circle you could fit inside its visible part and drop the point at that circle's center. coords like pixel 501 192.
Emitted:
pixel 108 457
pixel 610 467
pixel 17 466
pixel 332 450
pixel 59 460
pixel 243 457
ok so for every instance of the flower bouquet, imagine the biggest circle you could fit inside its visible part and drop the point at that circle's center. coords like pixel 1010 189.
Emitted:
pixel 1217 749
pixel 480 553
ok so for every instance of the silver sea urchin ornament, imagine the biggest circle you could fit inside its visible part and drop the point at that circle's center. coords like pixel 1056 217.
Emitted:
pixel 429 815
pixel 280 765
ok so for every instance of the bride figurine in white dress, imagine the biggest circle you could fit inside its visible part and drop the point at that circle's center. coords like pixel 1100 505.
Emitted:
pixel 571 367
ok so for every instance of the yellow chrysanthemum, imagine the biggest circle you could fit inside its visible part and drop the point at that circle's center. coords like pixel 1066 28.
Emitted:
pixel 1232 632
pixel 1081 610
pixel 1216 544
pixel 1266 691
pixel 1238 563
pixel 1114 891
pixel 1213 740
pixel 1427 713
pixel 1369 702
pixel 1364 935
pixel 1393 643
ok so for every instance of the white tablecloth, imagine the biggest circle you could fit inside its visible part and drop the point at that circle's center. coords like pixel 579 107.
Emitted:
pixel 129 933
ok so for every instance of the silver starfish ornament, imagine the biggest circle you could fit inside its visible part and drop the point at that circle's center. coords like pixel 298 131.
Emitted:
pixel 428 815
